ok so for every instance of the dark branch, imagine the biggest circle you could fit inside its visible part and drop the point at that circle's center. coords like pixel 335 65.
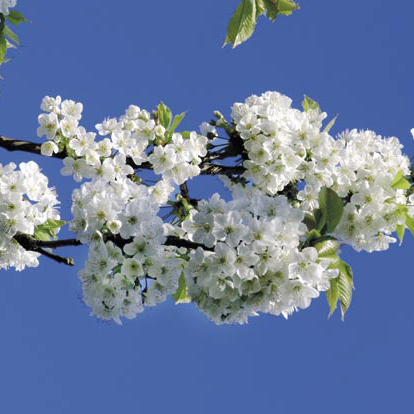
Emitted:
pixel 58 243
pixel 177 242
pixel 184 191
pixel 11 144
pixel 207 168
pixel 31 244
pixel 65 260
pixel 171 241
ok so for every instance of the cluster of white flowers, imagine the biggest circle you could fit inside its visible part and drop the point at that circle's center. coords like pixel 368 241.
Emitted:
pixel 253 253
pixel 286 146
pixel 5 5
pixel 26 201
pixel 134 135
pixel 256 264
pixel 115 279
pixel 118 281
pixel 365 171
pixel 278 139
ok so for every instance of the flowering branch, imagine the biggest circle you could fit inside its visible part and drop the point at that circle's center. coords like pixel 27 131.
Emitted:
pixel 12 144
pixel 30 243
pixel 171 241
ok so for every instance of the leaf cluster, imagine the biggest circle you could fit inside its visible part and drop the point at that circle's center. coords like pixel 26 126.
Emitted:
pixel 244 19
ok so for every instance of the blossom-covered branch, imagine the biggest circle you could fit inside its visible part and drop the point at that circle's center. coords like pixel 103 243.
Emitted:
pixel 297 193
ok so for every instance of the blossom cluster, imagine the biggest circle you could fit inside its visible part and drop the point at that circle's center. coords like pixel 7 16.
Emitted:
pixel 26 201
pixel 244 256
pixel 286 146
pixel 128 265
pixel 134 135
pixel 257 264
pixel 364 173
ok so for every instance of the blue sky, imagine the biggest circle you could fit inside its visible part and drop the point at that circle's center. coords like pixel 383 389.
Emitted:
pixel 54 358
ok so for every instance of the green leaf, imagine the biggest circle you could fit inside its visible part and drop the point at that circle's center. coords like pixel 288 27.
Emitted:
pixel 164 115
pixel 310 221
pixel 286 7
pixel 332 206
pixel 275 7
pixel 242 23
pixel 402 184
pixel 327 249
pixel 345 294
pixel 330 124
pixel 47 230
pixel 181 294
pixel 397 177
pixel 400 232
pixel 320 217
pixel 409 222
pixel 309 103
pixel 260 7
pixel 3 47
pixel 10 34
pixel 176 121
pixel 341 287
pixel 15 17
pixel 332 296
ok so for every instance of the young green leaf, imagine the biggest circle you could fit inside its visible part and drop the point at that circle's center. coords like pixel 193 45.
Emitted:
pixel 402 184
pixel 181 294
pixel 260 7
pixel 332 296
pixel 15 17
pixel 164 115
pixel 309 103
pixel 241 25
pixel 341 287
pixel 332 206
pixel 176 121
pixel 400 232
pixel 345 294
pixel 313 235
pixel 330 124
pixel 286 7
pixel 327 249
pixel 47 230
pixel 3 47
pixel 409 222
pixel 397 177
pixel 275 7
pixel 11 35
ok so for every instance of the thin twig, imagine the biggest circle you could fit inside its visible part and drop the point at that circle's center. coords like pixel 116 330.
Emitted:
pixel 31 244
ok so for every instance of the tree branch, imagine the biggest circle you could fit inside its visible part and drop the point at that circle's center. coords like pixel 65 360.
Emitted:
pixel 11 144
pixel 65 260
pixel 31 244
pixel 207 168
pixel 171 241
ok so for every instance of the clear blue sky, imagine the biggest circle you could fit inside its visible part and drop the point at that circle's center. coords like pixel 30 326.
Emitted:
pixel 355 60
